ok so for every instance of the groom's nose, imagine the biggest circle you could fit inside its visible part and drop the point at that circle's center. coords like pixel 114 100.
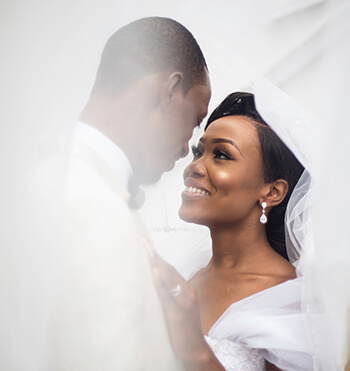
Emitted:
pixel 184 151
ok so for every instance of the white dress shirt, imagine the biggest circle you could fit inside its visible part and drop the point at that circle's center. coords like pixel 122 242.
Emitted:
pixel 86 299
pixel 106 149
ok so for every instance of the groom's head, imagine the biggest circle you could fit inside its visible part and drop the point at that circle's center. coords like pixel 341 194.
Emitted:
pixel 153 89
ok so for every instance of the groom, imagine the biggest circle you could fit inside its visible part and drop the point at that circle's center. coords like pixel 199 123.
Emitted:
pixel 151 90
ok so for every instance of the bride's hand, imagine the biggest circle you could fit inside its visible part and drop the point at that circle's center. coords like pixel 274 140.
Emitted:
pixel 181 309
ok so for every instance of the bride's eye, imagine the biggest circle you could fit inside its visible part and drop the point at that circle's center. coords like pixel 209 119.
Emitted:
pixel 221 155
pixel 196 152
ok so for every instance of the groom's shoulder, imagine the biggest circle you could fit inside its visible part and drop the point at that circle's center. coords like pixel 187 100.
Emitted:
pixel 74 181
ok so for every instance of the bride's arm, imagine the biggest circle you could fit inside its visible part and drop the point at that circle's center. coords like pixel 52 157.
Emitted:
pixel 180 305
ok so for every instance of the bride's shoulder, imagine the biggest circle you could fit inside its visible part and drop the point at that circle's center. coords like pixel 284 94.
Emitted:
pixel 278 270
pixel 271 273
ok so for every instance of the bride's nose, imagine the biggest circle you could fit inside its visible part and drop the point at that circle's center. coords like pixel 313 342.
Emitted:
pixel 195 169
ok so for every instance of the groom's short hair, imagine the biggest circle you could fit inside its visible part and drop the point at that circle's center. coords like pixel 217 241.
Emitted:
pixel 146 46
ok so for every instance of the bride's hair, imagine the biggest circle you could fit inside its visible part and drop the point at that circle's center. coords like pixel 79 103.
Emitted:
pixel 278 161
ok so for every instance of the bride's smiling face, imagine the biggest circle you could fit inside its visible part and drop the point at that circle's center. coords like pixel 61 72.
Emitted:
pixel 225 179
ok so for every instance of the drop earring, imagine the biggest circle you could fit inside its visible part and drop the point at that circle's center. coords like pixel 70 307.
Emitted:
pixel 263 218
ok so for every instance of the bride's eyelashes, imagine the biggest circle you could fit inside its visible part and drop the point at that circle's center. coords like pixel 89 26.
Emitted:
pixel 196 152
pixel 221 155
pixel 217 152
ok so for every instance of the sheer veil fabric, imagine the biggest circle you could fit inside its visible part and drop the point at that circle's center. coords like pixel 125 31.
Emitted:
pixel 294 55
pixel 301 132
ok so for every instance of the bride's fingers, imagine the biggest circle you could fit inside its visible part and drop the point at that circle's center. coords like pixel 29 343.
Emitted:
pixel 175 299
pixel 167 273
pixel 169 279
pixel 162 289
pixel 170 289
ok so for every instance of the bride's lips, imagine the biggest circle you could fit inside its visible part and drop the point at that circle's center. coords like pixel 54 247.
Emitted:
pixel 194 190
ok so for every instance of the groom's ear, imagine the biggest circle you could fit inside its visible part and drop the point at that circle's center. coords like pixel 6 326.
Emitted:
pixel 276 192
pixel 171 88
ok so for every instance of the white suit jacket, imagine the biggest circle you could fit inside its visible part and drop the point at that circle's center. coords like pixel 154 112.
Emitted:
pixel 101 308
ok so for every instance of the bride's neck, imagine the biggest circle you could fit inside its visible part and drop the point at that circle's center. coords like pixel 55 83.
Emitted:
pixel 236 247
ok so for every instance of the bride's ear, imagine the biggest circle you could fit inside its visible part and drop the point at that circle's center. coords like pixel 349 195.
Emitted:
pixel 276 192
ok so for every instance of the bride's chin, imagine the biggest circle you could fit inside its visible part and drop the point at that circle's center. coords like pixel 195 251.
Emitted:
pixel 188 216
pixel 183 215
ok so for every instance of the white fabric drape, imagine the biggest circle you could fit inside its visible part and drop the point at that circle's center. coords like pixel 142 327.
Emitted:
pixel 50 51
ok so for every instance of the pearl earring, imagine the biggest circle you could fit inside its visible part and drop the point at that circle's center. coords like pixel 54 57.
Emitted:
pixel 263 218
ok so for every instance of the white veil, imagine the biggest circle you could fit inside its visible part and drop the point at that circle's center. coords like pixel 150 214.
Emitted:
pixel 301 133
pixel 50 54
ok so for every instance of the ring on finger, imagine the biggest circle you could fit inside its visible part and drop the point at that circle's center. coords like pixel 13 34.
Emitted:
pixel 176 291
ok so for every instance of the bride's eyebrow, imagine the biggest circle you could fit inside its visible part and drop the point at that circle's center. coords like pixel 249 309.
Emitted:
pixel 223 140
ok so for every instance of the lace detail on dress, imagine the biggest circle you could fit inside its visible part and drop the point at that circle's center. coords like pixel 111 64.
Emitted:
pixel 235 357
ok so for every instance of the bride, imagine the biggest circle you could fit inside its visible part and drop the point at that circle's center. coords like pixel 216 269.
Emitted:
pixel 243 310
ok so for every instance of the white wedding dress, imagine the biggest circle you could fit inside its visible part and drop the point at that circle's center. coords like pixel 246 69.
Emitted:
pixel 269 325
pixel 234 356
